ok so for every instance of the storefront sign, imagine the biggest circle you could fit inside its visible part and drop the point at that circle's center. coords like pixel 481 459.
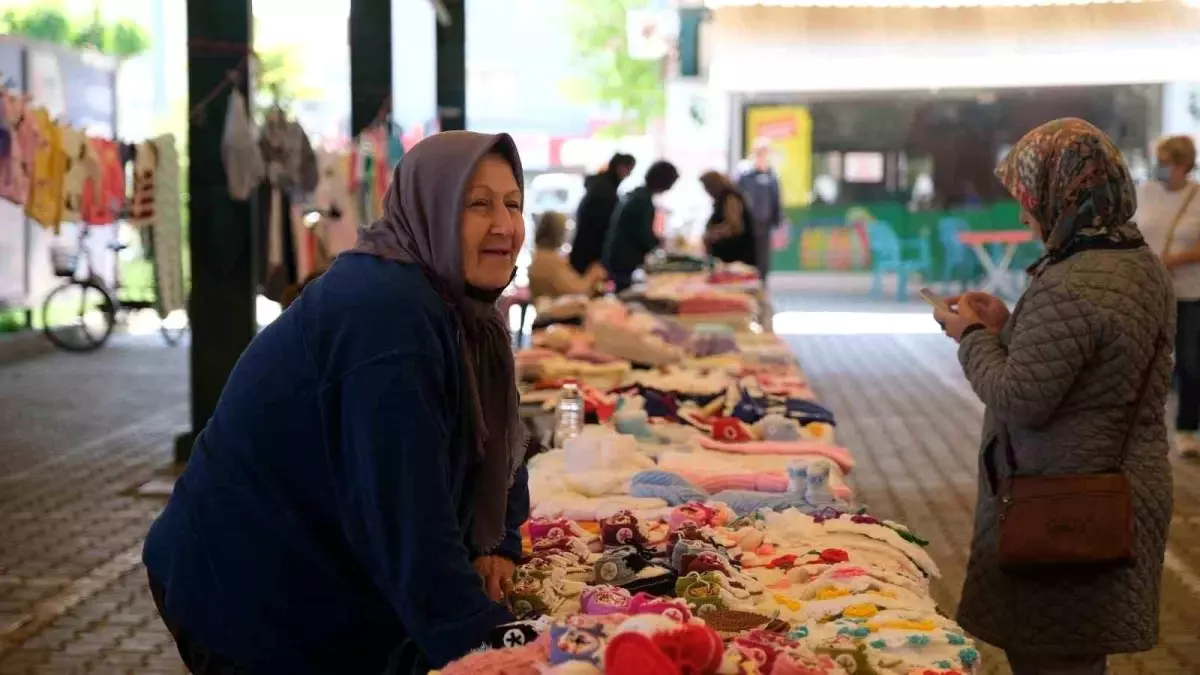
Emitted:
pixel 788 129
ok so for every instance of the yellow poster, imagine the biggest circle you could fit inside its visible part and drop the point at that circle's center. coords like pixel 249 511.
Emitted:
pixel 788 128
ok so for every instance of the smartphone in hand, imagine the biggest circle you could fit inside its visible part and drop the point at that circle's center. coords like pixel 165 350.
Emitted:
pixel 934 301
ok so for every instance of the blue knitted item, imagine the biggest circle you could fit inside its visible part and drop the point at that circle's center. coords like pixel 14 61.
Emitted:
pixel 669 487
pixel 744 502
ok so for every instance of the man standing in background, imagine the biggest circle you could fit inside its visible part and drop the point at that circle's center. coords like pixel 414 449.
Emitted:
pixel 595 212
pixel 760 187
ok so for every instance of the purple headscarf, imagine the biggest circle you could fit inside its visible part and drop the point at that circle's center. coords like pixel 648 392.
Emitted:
pixel 421 224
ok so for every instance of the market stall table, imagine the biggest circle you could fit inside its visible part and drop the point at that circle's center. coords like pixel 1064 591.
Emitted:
pixel 999 274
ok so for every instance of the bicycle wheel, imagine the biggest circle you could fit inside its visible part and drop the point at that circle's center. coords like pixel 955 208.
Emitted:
pixel 79 316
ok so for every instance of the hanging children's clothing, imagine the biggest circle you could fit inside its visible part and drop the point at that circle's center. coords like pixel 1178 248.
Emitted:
pixel 49 169
pixel 82 174
pixel 28 138
pixel 102 206
pixel 145 167
pixel 168 266
pixel 291 176
pixel 14 176
pixel 240 152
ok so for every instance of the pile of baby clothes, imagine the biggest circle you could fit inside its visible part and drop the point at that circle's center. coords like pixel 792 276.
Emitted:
pixel 589 478
pixel 772 594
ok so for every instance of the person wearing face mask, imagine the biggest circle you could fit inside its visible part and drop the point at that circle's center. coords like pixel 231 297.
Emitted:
pixel 1169 216
pixel 631 235
pixel 360 487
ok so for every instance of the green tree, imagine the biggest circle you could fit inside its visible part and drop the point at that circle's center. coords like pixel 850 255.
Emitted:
pixel 634 87
pixel 279 78
pixel 122 39
pixel 48 24
pixel 126 38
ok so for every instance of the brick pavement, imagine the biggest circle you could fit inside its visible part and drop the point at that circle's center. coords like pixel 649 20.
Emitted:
pixel 79 432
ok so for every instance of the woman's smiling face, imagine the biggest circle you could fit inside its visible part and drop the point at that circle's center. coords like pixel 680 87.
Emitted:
pixel 493 228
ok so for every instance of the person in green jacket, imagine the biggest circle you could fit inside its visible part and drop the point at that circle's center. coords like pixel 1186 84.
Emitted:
pixel 631 235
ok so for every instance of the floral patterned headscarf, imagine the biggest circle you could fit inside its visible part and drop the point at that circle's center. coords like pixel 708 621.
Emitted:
pixel 1073 180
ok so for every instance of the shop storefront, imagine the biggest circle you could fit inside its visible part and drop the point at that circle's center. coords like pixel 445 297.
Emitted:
pixel 898 112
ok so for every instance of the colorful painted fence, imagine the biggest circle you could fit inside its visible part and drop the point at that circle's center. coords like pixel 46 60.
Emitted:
pixel 834 238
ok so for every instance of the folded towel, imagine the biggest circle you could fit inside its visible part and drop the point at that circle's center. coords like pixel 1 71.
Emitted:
pixel 812 448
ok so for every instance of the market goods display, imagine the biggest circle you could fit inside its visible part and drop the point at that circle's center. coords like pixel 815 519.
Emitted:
pixel 701 521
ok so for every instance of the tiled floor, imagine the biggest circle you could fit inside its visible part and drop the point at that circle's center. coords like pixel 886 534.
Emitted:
pixel 77 433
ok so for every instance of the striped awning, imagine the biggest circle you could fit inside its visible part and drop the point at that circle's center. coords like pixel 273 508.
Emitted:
pixel 734 4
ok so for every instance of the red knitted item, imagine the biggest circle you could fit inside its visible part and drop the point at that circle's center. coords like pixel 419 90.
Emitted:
pixel 636 654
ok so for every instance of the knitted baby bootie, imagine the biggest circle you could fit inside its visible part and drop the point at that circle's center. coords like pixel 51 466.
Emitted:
pixel 557 528
pixel 818 491
pixel 701 592
pixel 532 597
pixel 671 608
pixel 797 471
pixel 577 641
pixel 619 566
pixel 695 514
pixel 622 529
pixel 606 599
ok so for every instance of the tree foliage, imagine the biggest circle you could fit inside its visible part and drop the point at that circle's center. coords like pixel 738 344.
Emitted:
pixel 122 39
pixel 610 76
pixel 279 78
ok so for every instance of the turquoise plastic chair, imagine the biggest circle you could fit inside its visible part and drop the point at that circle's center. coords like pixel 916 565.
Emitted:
pixel 890 254
pixel 958 260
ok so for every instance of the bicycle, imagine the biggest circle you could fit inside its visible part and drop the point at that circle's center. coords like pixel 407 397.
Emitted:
pixel 80 314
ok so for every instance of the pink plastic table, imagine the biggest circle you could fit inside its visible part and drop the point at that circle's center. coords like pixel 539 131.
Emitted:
pixel 999 274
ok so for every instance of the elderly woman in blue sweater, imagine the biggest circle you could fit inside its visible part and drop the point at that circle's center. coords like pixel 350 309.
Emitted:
pixel 361 484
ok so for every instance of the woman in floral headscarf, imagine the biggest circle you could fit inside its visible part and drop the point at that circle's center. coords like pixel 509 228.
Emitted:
pixel 1075 381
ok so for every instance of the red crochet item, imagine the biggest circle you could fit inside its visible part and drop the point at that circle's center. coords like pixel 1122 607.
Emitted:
pixel 690 650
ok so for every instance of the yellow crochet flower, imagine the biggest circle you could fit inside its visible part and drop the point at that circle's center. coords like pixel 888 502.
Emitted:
pixel 832 592
pixel 863 611
pixel 790 603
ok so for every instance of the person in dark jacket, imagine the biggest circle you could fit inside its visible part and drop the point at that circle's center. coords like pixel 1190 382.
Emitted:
pixel 361 484
pixel 595 212
pixel 631 235
pixel 759 186
pixel 729 236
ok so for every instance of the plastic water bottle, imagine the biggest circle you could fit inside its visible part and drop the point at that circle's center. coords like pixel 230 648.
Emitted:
pixel 569 422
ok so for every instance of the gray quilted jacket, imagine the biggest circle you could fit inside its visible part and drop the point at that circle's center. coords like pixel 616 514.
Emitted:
pixel 1059 382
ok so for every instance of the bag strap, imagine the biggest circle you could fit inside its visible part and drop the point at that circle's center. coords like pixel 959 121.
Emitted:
pixel 1178 217
pixel 1140 402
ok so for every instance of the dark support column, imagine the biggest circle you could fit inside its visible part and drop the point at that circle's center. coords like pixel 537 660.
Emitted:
pixel 220 231
pixel 370 62
pixel 452 66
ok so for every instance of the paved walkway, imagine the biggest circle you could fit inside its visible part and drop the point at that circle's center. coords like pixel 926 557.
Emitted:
pixel 80 432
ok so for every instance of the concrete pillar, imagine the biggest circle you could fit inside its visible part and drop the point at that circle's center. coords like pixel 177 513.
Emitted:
pixel 370 62
pixel 452 66
pixel 220 231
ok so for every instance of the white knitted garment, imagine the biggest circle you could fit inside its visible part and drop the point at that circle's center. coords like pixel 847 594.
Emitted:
pixel 240 154
pixel 168 267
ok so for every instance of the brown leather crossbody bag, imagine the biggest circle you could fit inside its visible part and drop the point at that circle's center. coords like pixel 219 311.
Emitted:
pixel 1073 520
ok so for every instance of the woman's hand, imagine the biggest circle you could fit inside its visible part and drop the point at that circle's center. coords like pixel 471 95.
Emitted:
pixel 955 323
pixel 496 573
pixel 992 311
pixel 596 273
